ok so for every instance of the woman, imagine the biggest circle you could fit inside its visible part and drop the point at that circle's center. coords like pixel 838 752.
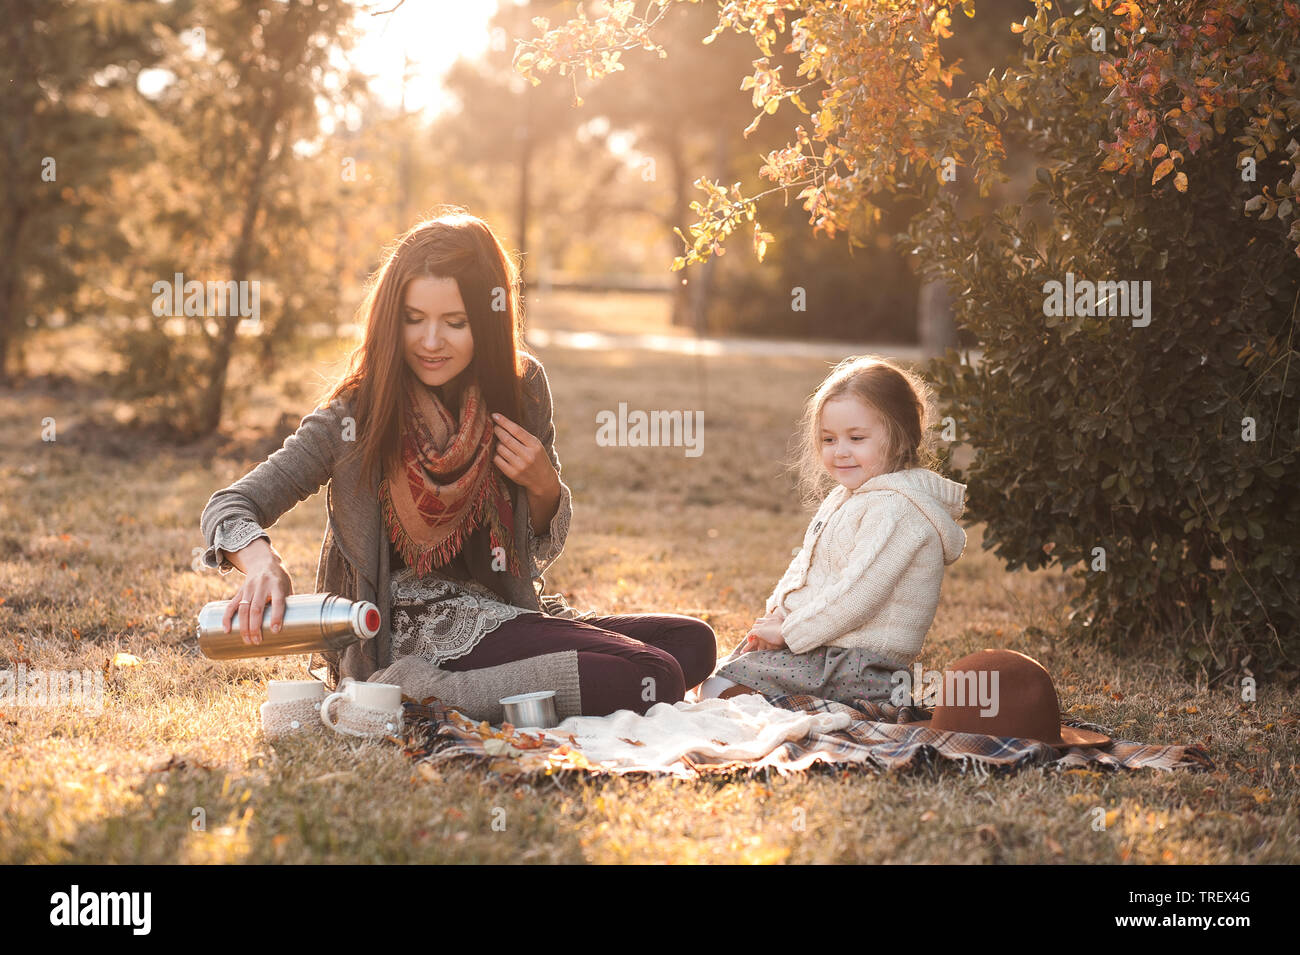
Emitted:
pixel 445 503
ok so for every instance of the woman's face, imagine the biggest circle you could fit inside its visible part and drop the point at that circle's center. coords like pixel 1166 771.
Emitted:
pixel 855 441
pixel 435 326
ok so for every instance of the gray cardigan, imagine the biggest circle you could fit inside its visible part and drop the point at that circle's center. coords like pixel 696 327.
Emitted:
pixel 354 554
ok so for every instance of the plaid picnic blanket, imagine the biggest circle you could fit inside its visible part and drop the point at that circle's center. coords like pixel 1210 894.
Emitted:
pixel 878 738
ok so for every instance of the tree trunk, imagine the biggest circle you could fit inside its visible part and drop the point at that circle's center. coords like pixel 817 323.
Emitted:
pixel 935 329
pixel 682 314
pixel 5 380
pixel 524 197
pixel 8 319
pixel 11 288
pixel 210 404
pixel 703 285
pixel 209 416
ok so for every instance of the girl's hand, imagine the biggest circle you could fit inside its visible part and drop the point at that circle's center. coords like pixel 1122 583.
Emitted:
pixel 766 634
pixel 267 582
pixel 521 457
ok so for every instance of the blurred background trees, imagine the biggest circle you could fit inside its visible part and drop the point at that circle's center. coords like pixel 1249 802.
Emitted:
pixel 236 141
pixel 67 78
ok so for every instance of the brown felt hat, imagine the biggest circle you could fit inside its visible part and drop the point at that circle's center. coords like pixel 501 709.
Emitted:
pixel 1006 694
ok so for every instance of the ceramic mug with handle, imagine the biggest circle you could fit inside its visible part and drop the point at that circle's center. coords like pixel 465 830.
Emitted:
pixel 367 709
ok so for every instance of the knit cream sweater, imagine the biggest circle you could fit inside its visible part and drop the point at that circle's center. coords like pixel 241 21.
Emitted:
pixel 872 560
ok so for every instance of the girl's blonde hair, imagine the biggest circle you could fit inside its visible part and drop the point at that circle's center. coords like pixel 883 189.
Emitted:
pixel 902 398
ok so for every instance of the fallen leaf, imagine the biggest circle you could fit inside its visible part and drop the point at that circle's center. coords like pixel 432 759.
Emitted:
pixel 633 742
pixel 1088 773
pixel 178 763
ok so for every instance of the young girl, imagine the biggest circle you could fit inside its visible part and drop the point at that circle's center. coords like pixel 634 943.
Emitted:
pixel 856 601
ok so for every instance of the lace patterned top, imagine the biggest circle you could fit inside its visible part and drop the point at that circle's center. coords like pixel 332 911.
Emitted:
pixel 234 534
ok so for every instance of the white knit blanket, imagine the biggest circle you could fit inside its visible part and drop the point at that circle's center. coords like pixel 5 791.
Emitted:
pixel 744 727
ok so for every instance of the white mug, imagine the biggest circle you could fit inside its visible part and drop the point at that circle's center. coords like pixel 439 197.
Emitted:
pixel 386 697
pixel 282 691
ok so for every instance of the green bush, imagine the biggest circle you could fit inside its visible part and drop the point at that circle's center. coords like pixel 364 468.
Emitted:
pixel 1091 432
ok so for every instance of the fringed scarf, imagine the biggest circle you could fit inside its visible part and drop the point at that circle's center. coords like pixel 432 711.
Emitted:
pixel 447 485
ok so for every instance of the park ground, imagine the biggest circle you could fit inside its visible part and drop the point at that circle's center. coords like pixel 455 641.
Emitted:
pixel 97 536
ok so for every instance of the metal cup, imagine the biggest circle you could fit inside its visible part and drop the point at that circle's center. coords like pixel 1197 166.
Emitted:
pixel 531 709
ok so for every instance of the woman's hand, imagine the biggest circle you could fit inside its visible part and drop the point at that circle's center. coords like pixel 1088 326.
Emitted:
pixel 266 580
pixel 521 457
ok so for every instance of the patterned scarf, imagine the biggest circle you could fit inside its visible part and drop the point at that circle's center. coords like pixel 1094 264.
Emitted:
pixel 446 485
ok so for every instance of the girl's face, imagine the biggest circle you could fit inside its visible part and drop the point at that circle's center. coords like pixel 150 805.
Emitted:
pixel 435 326
pixel 854 441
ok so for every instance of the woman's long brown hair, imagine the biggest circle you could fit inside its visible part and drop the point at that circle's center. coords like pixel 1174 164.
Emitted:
pixel 453 244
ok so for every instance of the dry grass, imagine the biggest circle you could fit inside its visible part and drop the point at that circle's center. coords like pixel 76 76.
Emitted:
pixel 95 558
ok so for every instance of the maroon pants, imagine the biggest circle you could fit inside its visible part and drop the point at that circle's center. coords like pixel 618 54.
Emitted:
pixel 625 661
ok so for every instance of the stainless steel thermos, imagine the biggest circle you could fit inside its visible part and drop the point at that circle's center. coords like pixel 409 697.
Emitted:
pixel 312 622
